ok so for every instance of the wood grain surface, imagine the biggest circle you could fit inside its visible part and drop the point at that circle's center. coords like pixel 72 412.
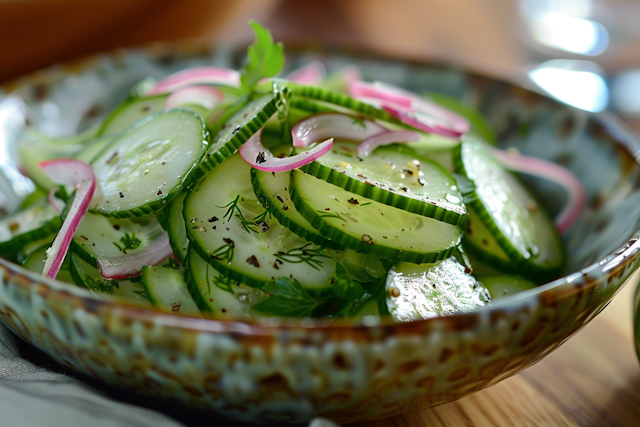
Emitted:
pixel 592 380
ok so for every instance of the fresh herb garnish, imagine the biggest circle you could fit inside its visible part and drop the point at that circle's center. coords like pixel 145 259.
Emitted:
pixel 360 122
pixel 264 58
pixel 129 241
pixel 232 208
pixel 288 298
pixel 258 224
pixel 220 281
pixel 304 254
pixel 105 286
pixel 324 214
pixel 225 252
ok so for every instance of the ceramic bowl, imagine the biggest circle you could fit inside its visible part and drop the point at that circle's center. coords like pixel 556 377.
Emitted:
pixel 293 370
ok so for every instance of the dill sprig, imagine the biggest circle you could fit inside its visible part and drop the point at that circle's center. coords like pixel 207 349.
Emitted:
pixel 303 254
pixel 105 286
pixel 225 252
pixel 129 241
pixel 324 214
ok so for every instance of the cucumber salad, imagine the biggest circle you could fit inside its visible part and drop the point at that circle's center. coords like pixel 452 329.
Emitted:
pixel 227 193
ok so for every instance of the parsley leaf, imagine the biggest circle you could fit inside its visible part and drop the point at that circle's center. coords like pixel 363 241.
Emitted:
pixel 264 58
pixel 288 298
pixel 346 288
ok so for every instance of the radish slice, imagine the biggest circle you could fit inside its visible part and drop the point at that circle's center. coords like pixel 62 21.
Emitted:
pixel 367 146
pixel 412 109
pixel 125 266
pixel 55 203
pixel 254 153
pixel 310 74
pixel 204 96
pixel 80 176
pixel 517 162
pixel 331 125
pixel 196 76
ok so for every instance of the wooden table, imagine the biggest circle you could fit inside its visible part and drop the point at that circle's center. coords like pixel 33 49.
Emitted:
pixel 592 380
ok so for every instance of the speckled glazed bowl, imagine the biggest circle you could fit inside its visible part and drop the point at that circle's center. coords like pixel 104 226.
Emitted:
pixel 290 371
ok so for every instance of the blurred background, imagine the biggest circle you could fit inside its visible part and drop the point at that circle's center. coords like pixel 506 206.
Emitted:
pixel 584 52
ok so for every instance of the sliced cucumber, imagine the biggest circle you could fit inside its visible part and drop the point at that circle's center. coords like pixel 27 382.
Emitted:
pixel 100 236
pixel 340 100
pixel 172 220
pixel 93 149
pixel 502 286
pixel 393 175
pixel 167 290
pixel 36 259
pixel 89 277
pixel 417 292
pixel 215 293
pixel 27 226
pixel 231 230
pixel 370 227
pixel 272 190
pixel 479 241
pixel 149 164
pixel 130 112
pixel 520 226
pixel 239 128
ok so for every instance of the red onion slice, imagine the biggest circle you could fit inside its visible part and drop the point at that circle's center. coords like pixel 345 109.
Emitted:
pixel 332 125
pixel 196 76
pixel 360 89
pixel 412 109
pixel 256 155
pixel 367 146
pixel 130 265
pixel 204 96
pixel 79 175
pixel 55 203
pixel 311 74
pixel 551 171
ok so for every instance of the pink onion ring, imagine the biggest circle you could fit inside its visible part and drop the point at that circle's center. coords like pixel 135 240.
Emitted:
pixel 256 155
pixel 412 109
pixel 196 76
pixel 367 146
pixel 332 125
pixel 204 96
pixel 79 175
pixel 360 89
pixel 545 169
pixel 130 265
pixel 55 203
pixel 311 74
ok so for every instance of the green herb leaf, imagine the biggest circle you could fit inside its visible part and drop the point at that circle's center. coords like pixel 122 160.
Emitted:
pixel 129 241
pixel 264 58
pixel 288 298
pixel 346 288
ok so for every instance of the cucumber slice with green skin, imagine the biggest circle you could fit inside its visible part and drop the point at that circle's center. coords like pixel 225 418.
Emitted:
pixel 27 226
pixel 167 290
pixel 366 226
pixel 393 175
pixel 129 112
pixel 87 276
pixel 223 112
pixel 172 220
pixel 422 291
pixel 479 241
pixel 215 293
pixel 254 251
pixel 36 259
pixel 502 286
pixel 148 165
pixel 239 128
pixel 521 228
pixel 272 190
pixel 341 100
pixel 93 149
pixel 97 236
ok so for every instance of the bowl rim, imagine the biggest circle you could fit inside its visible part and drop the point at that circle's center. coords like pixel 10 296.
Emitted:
pixel 551 292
